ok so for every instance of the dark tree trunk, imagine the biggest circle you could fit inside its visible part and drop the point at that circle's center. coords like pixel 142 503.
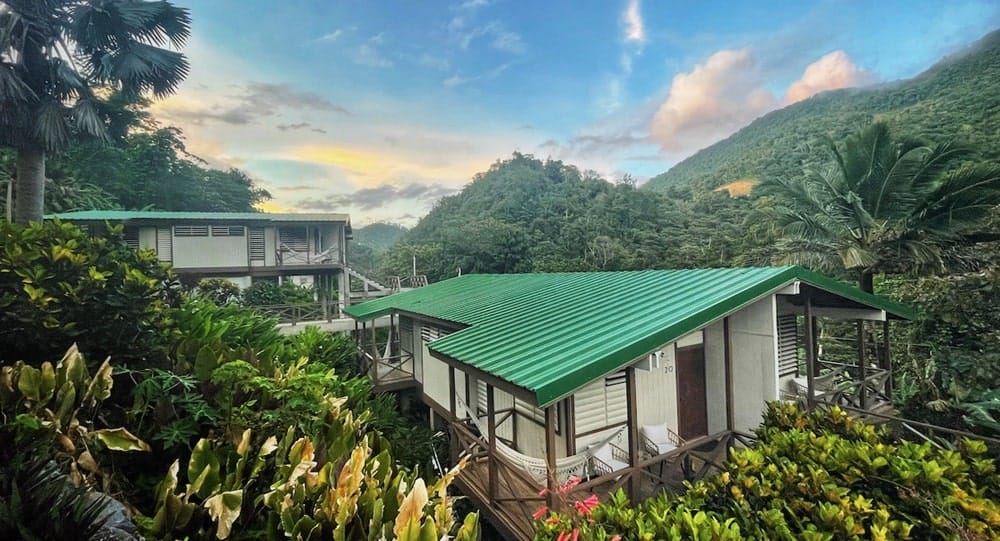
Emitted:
pixel 867 281
pixel 29 187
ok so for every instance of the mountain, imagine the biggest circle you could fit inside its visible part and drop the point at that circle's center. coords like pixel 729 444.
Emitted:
pixel 525 214
pixel 957 98
pixel 378 236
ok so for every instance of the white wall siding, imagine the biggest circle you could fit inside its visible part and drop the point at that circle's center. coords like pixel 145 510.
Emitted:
pixel 715 377
pixel 656 391
pixel 210 251
pixel 435 378
pixel 754 362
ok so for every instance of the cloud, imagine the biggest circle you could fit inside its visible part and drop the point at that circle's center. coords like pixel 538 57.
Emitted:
pixel 494 33
pixel 472 5
pixel 297 188
pixel 368 55
pixel 300 126
pixel 710 102
pixel 433 62
pixel 728 91
pixel 635 29
pixel 254 101
pixel 331 36
pixel 457 80
pixel 832 71
pixel 376 197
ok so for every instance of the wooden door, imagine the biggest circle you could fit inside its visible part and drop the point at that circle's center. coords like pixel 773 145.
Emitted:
pixel 692 406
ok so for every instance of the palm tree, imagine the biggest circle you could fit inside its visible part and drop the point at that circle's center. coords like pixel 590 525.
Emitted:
pixel 59 59
pixel 884 205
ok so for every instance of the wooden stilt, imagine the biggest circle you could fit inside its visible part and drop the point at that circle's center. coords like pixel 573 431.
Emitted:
pixel 863 365
pixel 810 353
pixel 728 362
pixel 492 429
pixel 632 423
pixel 550 456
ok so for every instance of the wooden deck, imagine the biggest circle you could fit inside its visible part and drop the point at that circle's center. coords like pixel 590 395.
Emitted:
pixel 508 495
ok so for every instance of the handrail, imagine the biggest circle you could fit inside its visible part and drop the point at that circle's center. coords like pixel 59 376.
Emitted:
pixel 298 313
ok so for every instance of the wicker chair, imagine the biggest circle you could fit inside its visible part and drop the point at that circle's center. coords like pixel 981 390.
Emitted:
pixel 607 459
pixel 659 439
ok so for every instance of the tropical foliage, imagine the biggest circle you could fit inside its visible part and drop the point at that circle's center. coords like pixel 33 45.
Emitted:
pixel 61 286
pixel 60 57
pixel 817 476
pixel 956 99
pixel 883 206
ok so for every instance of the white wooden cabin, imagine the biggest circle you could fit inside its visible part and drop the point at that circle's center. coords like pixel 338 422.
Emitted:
pixel 238 246
pixel 625 379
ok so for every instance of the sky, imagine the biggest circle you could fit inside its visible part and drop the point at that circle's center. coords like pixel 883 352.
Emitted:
pixel 379 108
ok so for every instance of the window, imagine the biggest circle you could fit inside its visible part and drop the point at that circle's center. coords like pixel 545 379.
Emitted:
pixel 190 230
pixel 788 346
pixel 132 237
pixel 428 333
pixel 601 404
pixel 406 335
pixel 293 238
pixel 256 243
pixel 227 230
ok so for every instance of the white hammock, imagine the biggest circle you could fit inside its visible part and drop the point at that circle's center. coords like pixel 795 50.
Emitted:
pixel 537 468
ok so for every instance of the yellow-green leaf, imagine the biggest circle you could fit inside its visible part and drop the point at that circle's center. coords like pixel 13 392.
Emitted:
pixel 120 439
pixel 224 508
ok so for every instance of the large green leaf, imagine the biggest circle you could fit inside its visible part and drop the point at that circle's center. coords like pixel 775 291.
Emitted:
pixel 224 508
pixel 120 439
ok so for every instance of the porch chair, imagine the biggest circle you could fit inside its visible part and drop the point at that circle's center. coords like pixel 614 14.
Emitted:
pixel 825 385
pixel 606 459
pixel 659 439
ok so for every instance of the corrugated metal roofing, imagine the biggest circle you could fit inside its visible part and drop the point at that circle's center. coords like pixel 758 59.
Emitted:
pixel 554 333
pixel 127 215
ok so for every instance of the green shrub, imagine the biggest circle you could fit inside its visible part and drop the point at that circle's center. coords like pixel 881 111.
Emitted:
pixel 268 292
pixel 60 286
pixel 219 291
pixel 820 476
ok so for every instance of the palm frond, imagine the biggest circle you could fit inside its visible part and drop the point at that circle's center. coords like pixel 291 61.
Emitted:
pixel 51 129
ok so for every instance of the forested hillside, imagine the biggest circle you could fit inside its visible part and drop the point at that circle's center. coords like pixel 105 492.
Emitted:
pixel 143 165
pixel 958 98
pixel 524 214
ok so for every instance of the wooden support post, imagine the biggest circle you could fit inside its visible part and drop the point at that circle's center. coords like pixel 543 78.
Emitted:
pixel 550 457
pixel 863 365
pixel 810 353
pixel 570 426
pixel 454 447
pixel 632 424
pixel 727 355
pixel 888 356
pixel 492 429
pixel 451 393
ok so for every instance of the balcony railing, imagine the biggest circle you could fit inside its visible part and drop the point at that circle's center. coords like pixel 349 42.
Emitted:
pixel 296 313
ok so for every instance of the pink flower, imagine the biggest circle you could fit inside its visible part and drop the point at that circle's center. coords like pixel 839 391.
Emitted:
pixel 586 506
pixel 570 485
pixel 616 537
pixel 541 512
pixel 543 492
pixel 563 536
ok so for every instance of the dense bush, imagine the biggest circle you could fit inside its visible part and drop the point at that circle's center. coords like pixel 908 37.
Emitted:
pixel 953 378
pixel 219 291
pixel 59 286
pixel 818 476
pixel 268 292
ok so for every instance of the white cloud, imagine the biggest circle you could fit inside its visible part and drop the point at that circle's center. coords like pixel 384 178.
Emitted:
pixel 457 80
pixel 368 53
pixel 710 102
pixel 727 91
pixel 635 28
pixel 331 36
pixel 832 71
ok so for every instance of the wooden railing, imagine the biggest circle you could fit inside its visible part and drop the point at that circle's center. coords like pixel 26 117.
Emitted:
pixel 512 495
pixel 387 370
pixel 297 313
pixel 287 256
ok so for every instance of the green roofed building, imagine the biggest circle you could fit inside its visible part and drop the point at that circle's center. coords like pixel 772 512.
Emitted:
pixel 237 246
pixel 628 379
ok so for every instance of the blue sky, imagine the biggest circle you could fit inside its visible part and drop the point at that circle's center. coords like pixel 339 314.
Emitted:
pixel 379 108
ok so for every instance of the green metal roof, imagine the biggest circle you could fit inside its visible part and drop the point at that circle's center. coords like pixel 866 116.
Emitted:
pixel 554 333
pixel 129 215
